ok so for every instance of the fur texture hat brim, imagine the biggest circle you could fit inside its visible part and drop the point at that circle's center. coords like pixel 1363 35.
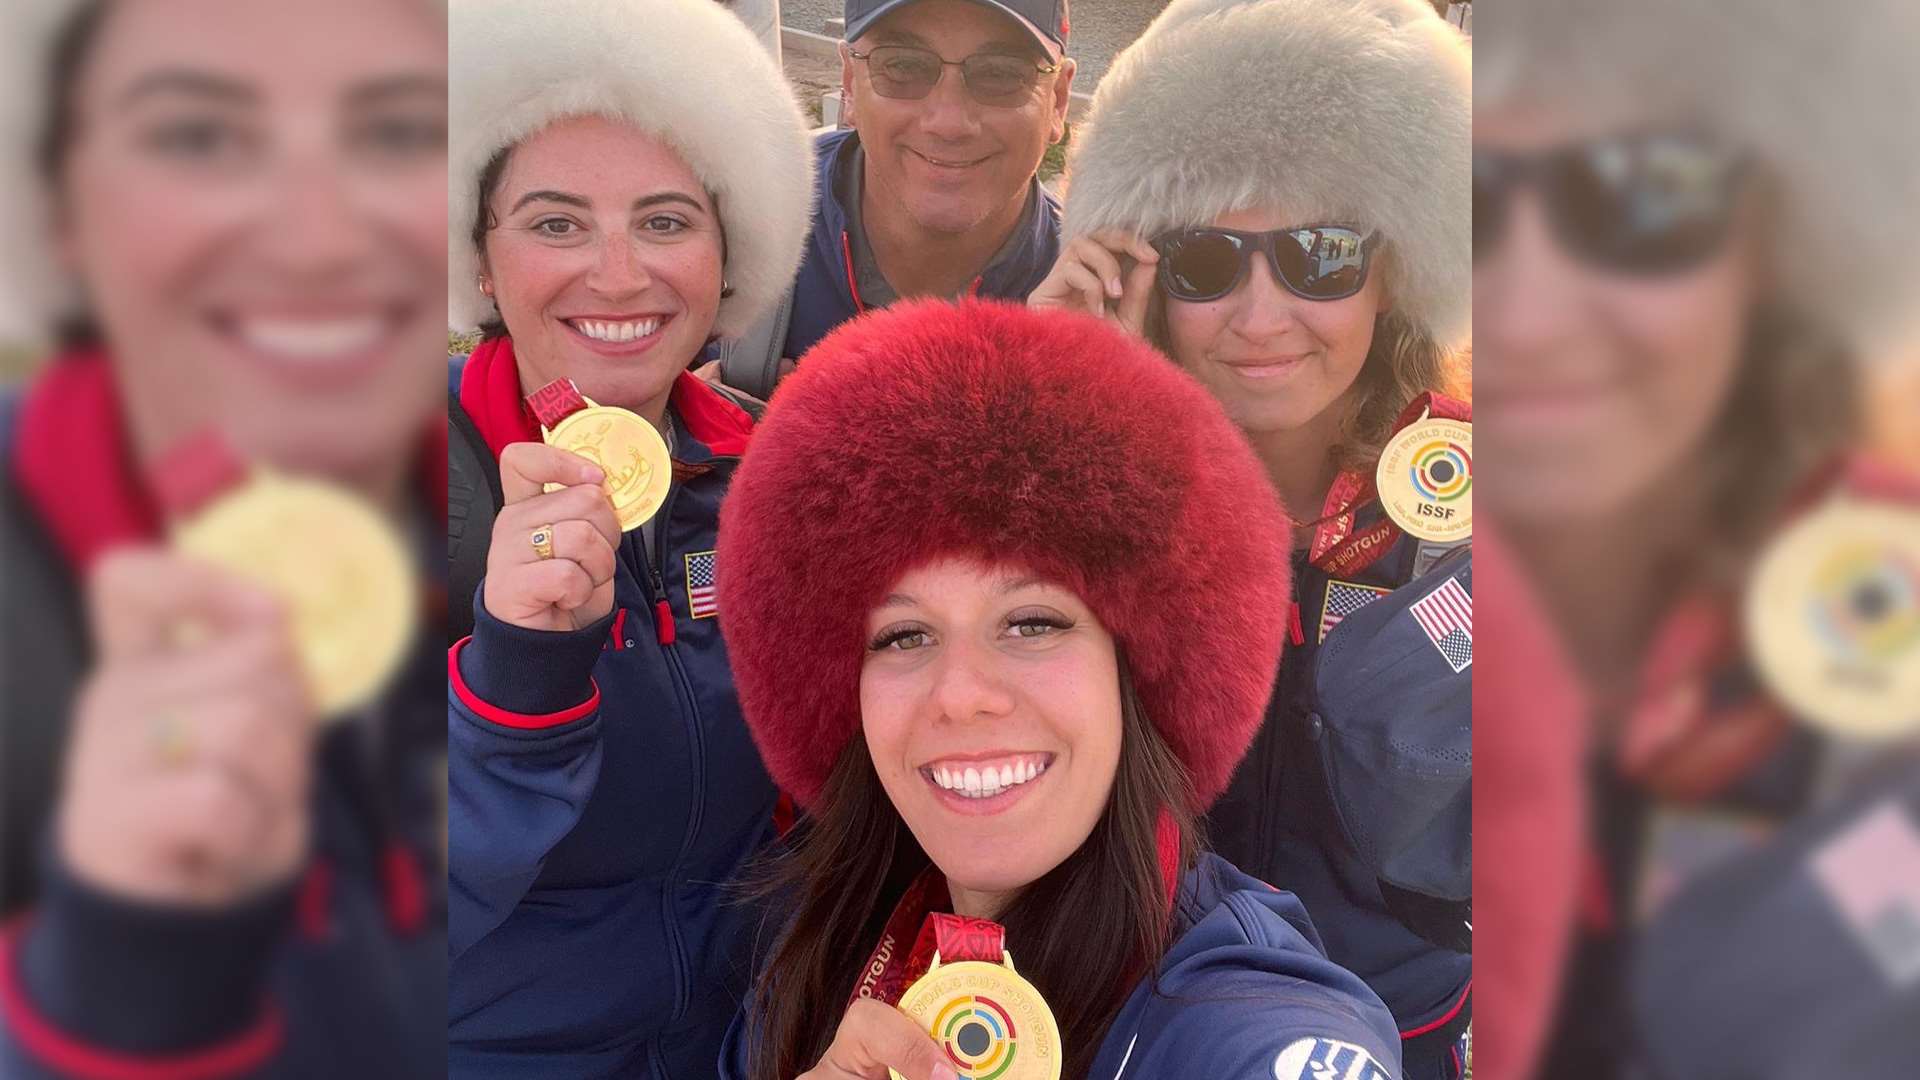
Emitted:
pixel 686 71
pixel 1823 104
pixel 1351 111
pixel 1047 441
pixel 34 291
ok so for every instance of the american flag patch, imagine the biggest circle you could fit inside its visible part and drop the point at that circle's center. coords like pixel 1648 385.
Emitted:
pixel 1343 599
pixel 1446 614
pixel 700 597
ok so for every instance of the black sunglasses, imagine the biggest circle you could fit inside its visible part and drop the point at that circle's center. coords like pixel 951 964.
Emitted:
pixel 1644 204
pixel 1314 262
pixel 909 73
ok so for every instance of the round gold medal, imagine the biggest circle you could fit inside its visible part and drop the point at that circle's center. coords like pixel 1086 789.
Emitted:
pixel 339 566
pixel 1425 479
pixel 1832 618
pixel 628 450
pixel 991 1023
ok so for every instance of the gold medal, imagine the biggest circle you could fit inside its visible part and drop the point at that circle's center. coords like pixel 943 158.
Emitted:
pixel 340 567
pixel 1832 618
pixel 1425 479
pixel 991 1023
pixel 626 448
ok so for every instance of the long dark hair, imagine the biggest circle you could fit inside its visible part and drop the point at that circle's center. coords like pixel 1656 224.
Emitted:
pixel 1084 934
pixel 59 128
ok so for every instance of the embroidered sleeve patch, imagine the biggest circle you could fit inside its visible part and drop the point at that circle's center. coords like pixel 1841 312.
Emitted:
pixel 1326 1059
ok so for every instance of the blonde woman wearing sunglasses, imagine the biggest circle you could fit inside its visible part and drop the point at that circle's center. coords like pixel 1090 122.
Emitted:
pixel 1276 194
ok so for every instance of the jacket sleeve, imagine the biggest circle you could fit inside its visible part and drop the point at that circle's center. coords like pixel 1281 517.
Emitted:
pixel 1246 994
pixel 93 985
pixel 523 756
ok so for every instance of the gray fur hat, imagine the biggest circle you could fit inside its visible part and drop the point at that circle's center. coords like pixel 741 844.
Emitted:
pixel 1822 98
pixel 686 71
pixel 1355 111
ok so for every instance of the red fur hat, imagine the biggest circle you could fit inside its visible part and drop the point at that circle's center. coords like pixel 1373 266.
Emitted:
pixel 1048 441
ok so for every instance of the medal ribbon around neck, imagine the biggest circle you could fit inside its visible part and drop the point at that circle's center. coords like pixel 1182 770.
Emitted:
pixel 1335 549
pixel 958 982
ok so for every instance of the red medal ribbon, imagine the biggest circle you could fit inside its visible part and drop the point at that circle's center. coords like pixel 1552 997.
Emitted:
pixel 1352 489
pixel 889 973
pixel 194 472
pixel 891 968
pixel 555 402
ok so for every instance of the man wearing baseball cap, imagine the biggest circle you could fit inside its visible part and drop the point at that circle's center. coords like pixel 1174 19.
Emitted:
pixel 932 192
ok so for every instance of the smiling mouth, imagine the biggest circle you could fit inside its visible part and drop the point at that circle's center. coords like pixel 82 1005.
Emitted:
pixel 1263 369
pixel 313 339
pixel 985 779
pixel 617 332
pixel 943 163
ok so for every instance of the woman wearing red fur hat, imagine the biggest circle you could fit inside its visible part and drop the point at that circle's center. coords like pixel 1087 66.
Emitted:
pixel 990 629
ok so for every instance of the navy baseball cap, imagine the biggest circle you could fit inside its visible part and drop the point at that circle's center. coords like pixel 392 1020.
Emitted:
pixel 1393 689
pixel 1045 20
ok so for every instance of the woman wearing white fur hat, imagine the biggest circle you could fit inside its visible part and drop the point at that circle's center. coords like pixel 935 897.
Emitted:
pixel 1695 224
pixel 1277 194
pixel 629 179
pixel 232 211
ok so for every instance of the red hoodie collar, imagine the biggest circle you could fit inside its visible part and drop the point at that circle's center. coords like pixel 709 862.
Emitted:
pixel 490 393
pixel 72 461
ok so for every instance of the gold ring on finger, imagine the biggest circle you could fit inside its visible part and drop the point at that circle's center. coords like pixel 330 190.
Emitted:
pixel 542 541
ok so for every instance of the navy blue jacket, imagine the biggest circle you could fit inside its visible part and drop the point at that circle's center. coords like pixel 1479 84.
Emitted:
pixel 1276 823
pixel 1246 990
pixel 603 790
pixel 824 292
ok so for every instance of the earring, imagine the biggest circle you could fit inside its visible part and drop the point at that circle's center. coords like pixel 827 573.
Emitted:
pixel 486 288
pixel 726 288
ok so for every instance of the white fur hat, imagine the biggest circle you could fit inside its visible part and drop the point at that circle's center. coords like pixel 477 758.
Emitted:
pixel 686 71
pixel 1357 111
pixel 1822 97
pixel 34 292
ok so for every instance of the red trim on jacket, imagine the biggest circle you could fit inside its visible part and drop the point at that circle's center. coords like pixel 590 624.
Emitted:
pixel 72 461
pixel 507 718
pixel 70 1057
pixel 853 283
pixel 1445 1019
pixel 490 392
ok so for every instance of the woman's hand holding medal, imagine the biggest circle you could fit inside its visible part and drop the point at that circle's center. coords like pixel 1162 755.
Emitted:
pixel 873 1038
pixel 188 777
pixel 551 564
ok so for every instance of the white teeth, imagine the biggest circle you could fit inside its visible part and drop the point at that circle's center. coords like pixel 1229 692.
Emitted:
pixel 616 333
pixel 984 782
pixel 312 340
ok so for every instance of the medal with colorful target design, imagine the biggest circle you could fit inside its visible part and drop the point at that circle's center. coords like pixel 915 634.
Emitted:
pixel 991 1023
pixel 1833 618
pixel 1425 479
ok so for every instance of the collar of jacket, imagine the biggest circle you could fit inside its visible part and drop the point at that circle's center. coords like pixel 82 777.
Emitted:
pixel 1037 236
pixel 490 393
pixel 72 460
